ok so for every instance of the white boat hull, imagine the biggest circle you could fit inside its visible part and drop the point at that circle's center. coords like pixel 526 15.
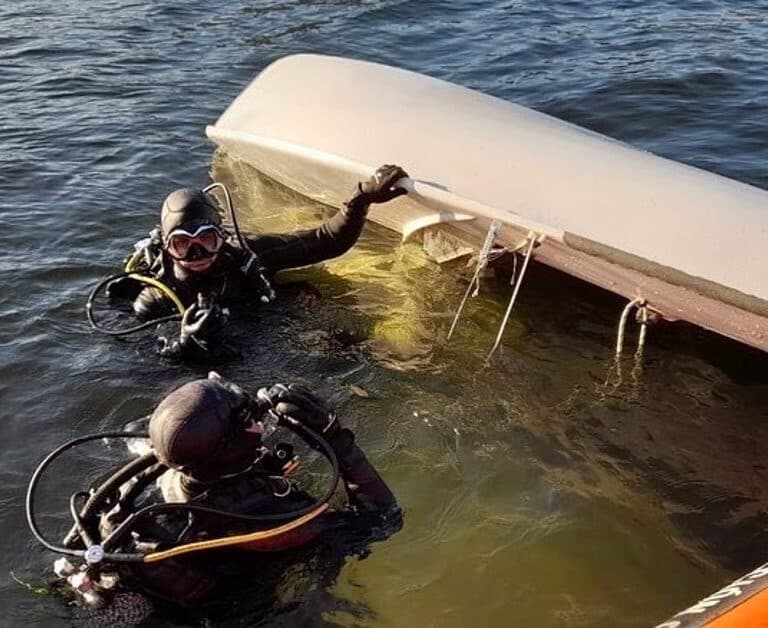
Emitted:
pixel 694 244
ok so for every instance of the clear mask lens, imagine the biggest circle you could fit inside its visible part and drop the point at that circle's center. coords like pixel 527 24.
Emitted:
pixel 181 242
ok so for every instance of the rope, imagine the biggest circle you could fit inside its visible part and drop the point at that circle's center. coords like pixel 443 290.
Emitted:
pixel 482 261
pixel 642 312
pixel 512 300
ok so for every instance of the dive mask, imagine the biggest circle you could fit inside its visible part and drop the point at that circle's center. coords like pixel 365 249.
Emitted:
pixel 180 243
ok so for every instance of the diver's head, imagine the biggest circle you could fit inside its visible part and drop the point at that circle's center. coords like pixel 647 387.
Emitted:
pixel 199 430
pixel 191 224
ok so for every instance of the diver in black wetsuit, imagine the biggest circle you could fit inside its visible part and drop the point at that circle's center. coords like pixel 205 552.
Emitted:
pixel 207 268
pixel 212 454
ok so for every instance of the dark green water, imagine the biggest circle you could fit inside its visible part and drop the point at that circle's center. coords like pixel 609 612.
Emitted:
pixel 535 494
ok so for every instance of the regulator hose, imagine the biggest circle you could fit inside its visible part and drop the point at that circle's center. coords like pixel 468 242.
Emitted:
pixel 269 292
pixel 141 326
pixel 131 268
pixel 32 488
pixel 110 485
pixel 231 208
pixel 125 527
pixel 79 527
pixel 134 467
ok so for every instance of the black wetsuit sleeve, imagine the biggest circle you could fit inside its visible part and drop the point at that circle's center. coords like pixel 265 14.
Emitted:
pixel 373 506
pixel 366 489
pixel 152 303
pixel 301 248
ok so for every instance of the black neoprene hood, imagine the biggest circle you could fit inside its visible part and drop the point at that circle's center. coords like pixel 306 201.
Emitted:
pixel 192 430
pixel 188 209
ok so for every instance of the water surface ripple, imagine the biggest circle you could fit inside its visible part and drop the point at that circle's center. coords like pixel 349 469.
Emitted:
pixel 543 491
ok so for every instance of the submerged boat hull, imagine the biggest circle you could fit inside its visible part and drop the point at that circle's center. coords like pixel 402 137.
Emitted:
pixel 691 243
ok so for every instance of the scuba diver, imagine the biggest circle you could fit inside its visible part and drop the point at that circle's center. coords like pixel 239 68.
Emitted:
pixel 190 267
pixel 214 485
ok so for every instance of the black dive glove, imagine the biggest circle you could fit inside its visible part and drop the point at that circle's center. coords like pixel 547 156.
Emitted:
pixel 303 406
pixel 380 187
pixel 124 288
pixel 196 325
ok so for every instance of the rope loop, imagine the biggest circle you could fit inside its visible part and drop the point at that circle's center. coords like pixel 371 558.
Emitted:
pixel 532 241
pixel 642 316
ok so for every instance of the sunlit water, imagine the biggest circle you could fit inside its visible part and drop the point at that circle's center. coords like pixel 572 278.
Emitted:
pixel 542 490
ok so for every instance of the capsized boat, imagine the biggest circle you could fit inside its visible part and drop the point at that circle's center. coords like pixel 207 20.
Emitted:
pixel 678 242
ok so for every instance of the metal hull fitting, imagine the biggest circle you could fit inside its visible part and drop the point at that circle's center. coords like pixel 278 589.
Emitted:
pixel 690 244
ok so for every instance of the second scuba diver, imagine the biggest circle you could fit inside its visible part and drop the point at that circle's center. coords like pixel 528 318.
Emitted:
pixel 212 486
pixel 195 267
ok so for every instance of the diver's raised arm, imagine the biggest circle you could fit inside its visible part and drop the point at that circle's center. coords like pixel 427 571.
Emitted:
pixel 336 235
pixel 366 489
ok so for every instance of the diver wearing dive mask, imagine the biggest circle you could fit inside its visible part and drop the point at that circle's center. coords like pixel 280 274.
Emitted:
pixel 192 254
pixel 204 243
